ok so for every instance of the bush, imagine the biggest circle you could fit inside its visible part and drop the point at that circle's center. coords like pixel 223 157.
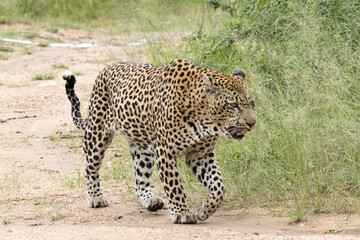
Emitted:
pixel 302 62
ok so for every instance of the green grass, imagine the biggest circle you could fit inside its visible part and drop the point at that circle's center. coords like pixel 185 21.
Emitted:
pixel 44 43
pixel 301 60
pixel 17 85
pixel 4 57
pixel 60 66
pixel 6 222
pixel 75 180
pixel 27 51
pixel 6 49
pixel 30 35
pixel 78 73
pixel 44 76
pixel 71 140
pixel 11 182
pixel 117 167
pixel 57 217
pixel 116 16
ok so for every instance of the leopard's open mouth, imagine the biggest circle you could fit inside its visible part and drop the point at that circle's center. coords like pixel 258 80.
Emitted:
pixel 237 134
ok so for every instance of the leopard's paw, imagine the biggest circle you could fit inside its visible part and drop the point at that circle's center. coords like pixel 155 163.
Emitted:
pixel 185 218
pixel 97 202
pixel 153 204
pixel 202 214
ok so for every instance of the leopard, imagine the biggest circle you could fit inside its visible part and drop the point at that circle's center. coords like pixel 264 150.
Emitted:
pixel 164 113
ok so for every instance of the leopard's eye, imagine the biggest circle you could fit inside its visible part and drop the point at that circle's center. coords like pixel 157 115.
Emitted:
pixel 233 104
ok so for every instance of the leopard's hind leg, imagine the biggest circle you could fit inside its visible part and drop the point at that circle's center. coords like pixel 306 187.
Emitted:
pixel 98 136
pixel 98 132
pixel 95 144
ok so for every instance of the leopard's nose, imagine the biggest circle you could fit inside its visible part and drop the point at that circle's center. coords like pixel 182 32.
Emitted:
pixel 251 124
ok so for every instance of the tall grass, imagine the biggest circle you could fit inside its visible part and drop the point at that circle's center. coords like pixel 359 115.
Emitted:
pixel 114 15
pixel 302 62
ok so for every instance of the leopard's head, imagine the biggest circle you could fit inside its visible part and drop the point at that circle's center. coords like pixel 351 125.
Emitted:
pixel 230 105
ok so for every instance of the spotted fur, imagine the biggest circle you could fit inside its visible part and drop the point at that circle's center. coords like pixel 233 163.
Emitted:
pixel 165 113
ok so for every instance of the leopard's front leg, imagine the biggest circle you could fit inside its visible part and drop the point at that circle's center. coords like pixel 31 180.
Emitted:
pixel 169 176
pixel 202 161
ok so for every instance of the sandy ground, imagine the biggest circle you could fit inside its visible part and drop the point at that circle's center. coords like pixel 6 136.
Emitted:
pixel 36 201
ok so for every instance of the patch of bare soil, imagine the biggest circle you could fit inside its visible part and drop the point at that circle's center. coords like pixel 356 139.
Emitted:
pixel 36 197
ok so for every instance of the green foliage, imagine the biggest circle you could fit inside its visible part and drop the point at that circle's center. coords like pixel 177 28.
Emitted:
pixel 78 73
pixel 118 167
pixel 30 35
pixel 75 180
pixel 6 49
pixel 44 44
pixel 119 15
pixel 302 62
pixel 60 66
pixel 17 85
pixel 44 76
pixel 57 217
pixel 27 51
pixel 6 222
pixel 4 57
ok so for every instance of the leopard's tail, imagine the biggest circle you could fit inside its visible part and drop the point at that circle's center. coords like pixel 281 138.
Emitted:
pixel 78 120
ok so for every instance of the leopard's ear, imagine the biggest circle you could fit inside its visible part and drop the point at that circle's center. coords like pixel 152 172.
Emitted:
pixel 209 87
pixel 240 74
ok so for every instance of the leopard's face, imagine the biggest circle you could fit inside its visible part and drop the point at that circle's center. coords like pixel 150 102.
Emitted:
pixel 230 104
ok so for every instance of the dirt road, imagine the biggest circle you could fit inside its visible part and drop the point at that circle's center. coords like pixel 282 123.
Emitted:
pixel 36 198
